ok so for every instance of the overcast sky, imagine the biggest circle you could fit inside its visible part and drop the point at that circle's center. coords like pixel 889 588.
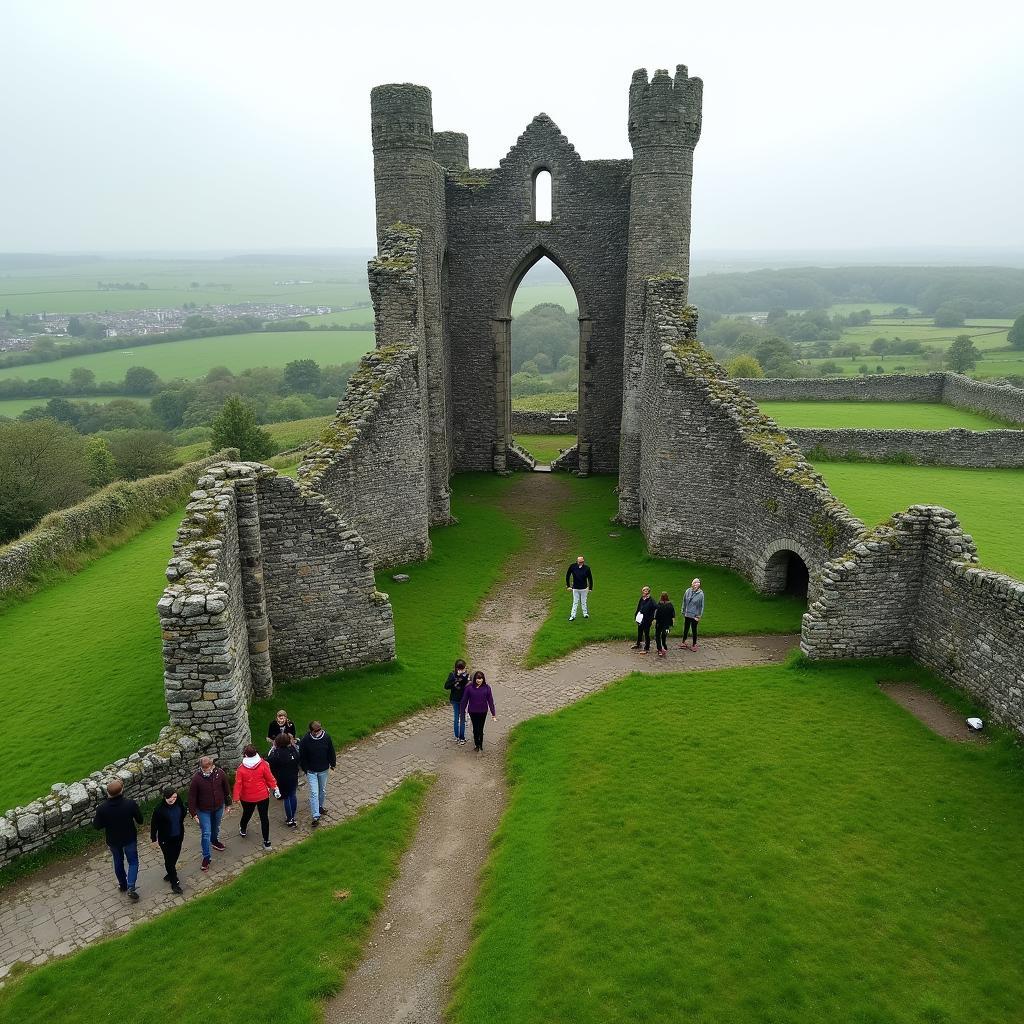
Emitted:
pixel 224 125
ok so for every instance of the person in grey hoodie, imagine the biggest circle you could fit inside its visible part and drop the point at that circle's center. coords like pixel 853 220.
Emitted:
pixel 693 611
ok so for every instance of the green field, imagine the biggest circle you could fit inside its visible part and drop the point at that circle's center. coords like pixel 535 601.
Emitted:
pixel 530 295
pixel 82 662
pixel 191 359
pixel 270 945
pixel 987 501
pixel 555 401
pixel 335 280
pixel 778 844
pixel 877 415
pixel 286 435
pixel 545 447
pixel 12 407
pixel 621 566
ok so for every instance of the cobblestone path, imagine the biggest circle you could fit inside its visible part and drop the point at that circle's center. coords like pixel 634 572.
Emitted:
pixel 423 930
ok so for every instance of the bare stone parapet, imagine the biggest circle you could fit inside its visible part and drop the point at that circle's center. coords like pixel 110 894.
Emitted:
pixel 912 586
pixel 170 761
pixel 529 422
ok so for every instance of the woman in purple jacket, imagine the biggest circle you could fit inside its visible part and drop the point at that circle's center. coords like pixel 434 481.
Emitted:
pixel 477 698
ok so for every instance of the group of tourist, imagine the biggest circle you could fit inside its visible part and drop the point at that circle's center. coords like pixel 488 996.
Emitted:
pixel 579 579
pixel 210 798
pixel 470 695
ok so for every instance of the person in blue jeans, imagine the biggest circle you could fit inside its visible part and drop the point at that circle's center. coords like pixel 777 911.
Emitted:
pixel 457 681
pixel 316 758
pixel 118 817
pixel 209 798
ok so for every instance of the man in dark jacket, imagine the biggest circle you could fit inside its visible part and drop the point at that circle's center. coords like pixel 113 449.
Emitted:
pixel 209 799
pixel 580 580
pixel 645 609
pixel 167 830
pixel 118 817
pixel 316 756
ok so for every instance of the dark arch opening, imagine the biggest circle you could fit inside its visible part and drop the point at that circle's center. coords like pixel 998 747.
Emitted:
pixel 787 573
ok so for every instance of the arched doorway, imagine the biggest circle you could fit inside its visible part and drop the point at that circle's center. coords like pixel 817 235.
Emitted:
pixel 786 573
pixel 564 370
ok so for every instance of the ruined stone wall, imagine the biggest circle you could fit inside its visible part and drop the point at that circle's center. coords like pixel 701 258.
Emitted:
pixel 324 609
pixel 543 422
pixel 911 586
pixel 971 448
pixel 172 760
pixel 493 240
pixel 720 482
pixel 369 462
pixel 1003 401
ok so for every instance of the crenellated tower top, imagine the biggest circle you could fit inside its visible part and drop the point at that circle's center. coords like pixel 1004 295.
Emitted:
pixel 664 111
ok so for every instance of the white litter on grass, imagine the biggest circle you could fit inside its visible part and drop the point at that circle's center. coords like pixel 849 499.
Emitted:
pixel 976 724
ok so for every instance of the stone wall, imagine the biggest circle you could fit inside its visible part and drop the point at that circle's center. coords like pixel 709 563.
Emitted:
pixel 101 515
pixel 1003 401
pixel 172 760
pixel 265 578
pixel 720 482
pixel 977 448
pixel 524 422
pixel 369 462
pixel 912 586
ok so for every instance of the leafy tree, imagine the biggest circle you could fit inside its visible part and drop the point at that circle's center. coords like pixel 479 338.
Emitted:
pixel 776 356
pixel 75 327
pixel 900 311
pixel 42 468
pixel 100 459
pixel 139 453
pixel 169 406
pixel 63 411
pixel 853 349
pixel 302 375
pixel 546 328
pixel 219 373
pixel 950 314
pixel 141 380
pixel 829 369
pixel 744 366
pixel 236 427
pixel 1015 336
pixel 880 347
pixel 962 355
pixel 82 379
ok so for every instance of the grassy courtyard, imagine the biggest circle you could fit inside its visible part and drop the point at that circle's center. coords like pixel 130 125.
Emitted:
pixel 777 844
pixel 269 946
pixel 621 566
pixel 986 500
pixel 877 415
pixel 546 447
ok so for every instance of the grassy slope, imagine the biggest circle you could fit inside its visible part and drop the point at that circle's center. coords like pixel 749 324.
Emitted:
pixel 431 612
pixel 545 447
pixel 776 844
pixel 194 358
pixel 530 295
pixel 82 663
pixel 621 566
pixel 876 415
pixel 986 500
pixel 555 401
pixel 267 947
pixel 287 434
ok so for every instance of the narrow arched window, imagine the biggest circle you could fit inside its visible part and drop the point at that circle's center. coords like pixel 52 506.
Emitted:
pixel 542 195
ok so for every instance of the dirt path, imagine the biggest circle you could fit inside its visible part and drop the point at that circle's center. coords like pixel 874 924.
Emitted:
pixel 935 713
pixel 423 931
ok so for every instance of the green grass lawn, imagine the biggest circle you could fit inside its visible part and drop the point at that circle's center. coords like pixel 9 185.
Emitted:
pixel 877 415
pixel 987 501
pixel 82 665
pixel 530 295
pixel 555 401
pixel 546 447
pixel 191 359
pixel 269 946
pixel 775 844
pixel 621 566
pixel 431 611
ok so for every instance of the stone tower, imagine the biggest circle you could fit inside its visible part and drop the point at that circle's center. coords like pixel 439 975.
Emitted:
pixel 664 126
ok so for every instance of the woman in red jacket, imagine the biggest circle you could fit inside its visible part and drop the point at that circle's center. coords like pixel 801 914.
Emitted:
pixel 254 782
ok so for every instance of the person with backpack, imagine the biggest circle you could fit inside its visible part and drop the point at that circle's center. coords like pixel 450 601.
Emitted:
pixel 167 831
pixel 693 611
pixel 645 609
pixel 664 616
pixel 477 699
pixel 118 816
pixel 456 683
pixel 284 763
pixel 254 782
pixel 316 757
